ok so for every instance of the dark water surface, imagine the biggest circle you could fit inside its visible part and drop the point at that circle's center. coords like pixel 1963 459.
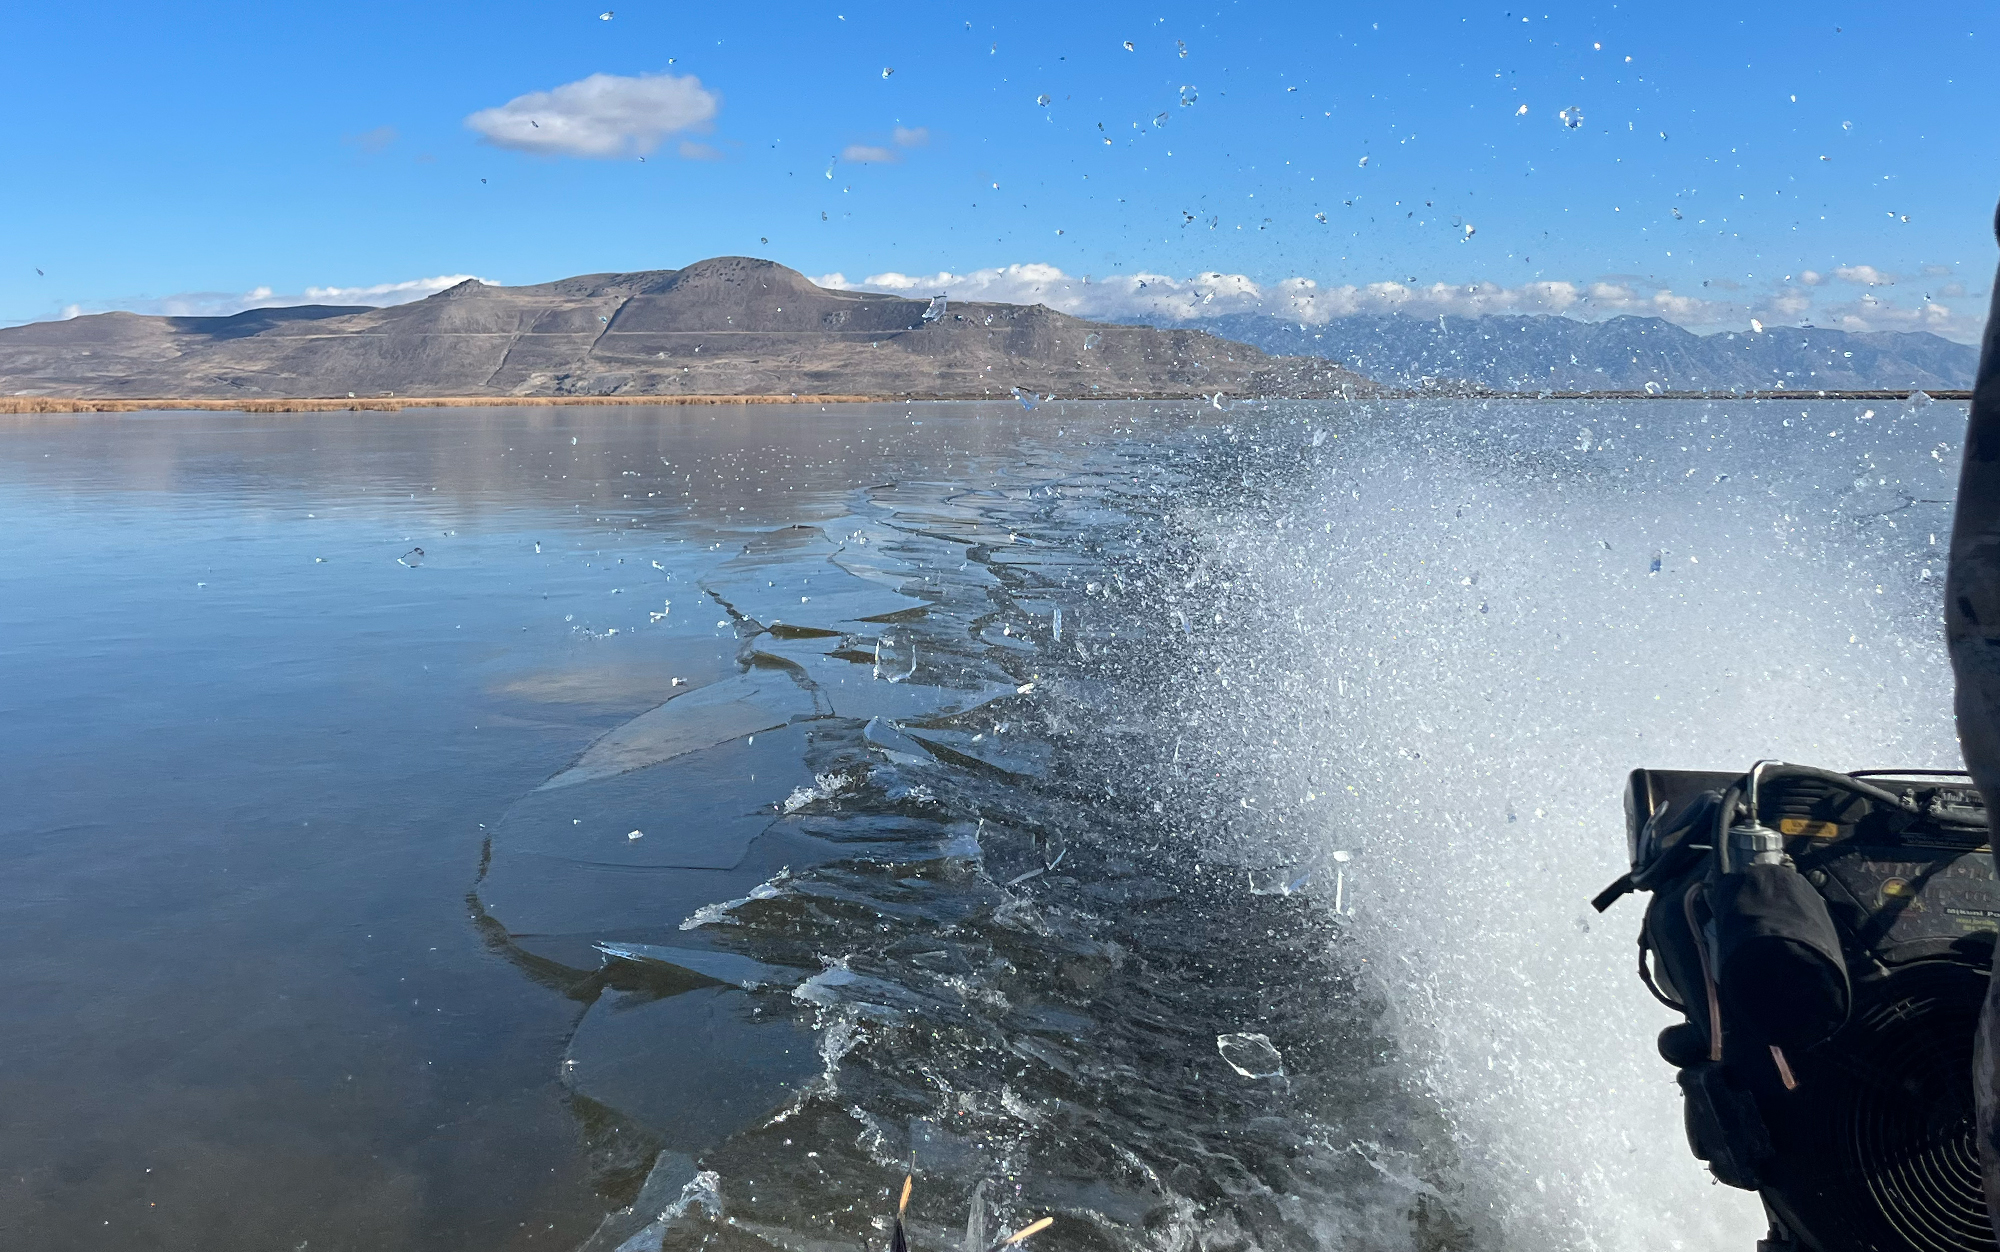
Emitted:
pixel 1171 820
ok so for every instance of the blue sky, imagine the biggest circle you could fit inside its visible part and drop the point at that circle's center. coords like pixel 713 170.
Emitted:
pixel 205 158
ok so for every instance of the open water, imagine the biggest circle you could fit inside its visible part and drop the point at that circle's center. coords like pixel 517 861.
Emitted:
pixel 638 828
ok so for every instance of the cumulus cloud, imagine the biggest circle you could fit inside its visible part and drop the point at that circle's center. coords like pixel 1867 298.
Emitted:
pixel 1866 275
pixel 1306 301
pixel 912 136
pixel 604 115
pixel 224 303
pixel 1214 294
pixel 863 154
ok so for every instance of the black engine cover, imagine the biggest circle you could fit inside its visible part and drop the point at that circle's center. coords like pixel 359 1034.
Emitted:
pixel 1871 1144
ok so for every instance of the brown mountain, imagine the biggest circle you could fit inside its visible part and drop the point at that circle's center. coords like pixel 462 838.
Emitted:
pixel 727 326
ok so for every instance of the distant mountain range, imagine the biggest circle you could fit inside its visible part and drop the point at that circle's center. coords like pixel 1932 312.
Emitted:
pixel 727 326
pixel 1533 353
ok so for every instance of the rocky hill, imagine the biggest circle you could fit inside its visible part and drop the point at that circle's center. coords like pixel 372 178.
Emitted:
pixel 727 326
pixel 1536 352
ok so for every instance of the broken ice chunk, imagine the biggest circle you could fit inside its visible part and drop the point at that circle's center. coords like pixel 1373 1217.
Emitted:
pixel 825 787
pixel 885 737
pixel 1250 1055
pixel 726 967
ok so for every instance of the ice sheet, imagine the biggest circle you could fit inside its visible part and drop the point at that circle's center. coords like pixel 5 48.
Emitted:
pixel 763 698
pixel 790 578
pixel 693 1068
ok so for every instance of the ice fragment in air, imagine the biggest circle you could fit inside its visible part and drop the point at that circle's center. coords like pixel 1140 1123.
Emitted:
pixel 1319 437
pixel 1055 625
pixel 1027 398
pixel 1364 163
pixel 1572 117
pixel 1159 119
pixel 413 558
pixel 888 70
pixel 605 16
pixel 1128 46
pixel 895 656
pixel 1756 326
pixel 1188 96
pixel 1043 99
pixel 635 836
pixel 1521 112
pixel 1282 881
pixel 1319 217
pixel 975 1220
pixel 1250 1055
pixel 1657 558
pixel 1093 339
pixel 1470 231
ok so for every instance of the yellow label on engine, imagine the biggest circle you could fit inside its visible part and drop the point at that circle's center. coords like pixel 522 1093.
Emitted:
pixel 1794 826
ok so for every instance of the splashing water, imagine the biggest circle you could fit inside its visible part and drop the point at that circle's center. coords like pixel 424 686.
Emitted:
pixel 1444 649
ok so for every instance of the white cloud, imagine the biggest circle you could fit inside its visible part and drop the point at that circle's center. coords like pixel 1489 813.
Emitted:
pixel 1306 301
pixel 912 136
pixel 604 115
pixel 1866 275
pixel 224 303
pixel 862 154
pixel 372 140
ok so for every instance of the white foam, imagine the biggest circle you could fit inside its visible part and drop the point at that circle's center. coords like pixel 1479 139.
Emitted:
pixel 1460 671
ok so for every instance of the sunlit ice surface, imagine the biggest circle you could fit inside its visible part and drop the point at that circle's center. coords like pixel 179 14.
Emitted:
pixel 1177 820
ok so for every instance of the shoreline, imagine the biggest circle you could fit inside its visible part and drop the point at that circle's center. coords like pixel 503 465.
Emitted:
pixel 21 405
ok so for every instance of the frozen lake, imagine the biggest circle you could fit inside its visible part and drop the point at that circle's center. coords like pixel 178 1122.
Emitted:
pixel 475 829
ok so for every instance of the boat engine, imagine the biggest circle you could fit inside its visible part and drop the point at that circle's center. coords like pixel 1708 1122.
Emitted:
pixel 1828 939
